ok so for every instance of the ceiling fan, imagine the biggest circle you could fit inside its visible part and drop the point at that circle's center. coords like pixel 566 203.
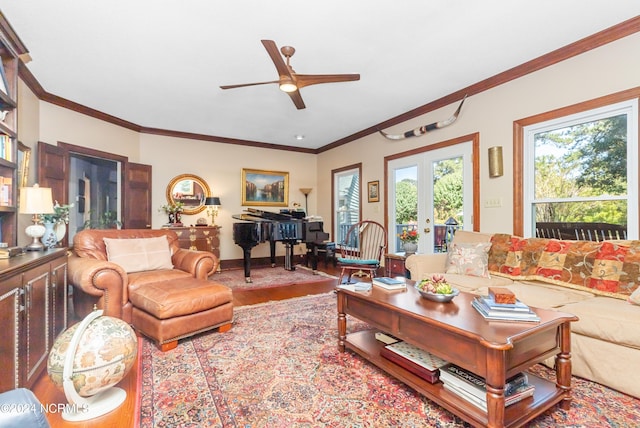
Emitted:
pixel 289 81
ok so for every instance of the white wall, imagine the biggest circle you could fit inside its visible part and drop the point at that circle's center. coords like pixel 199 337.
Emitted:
pixel 599 72
pixel 220 165
pixel 608 69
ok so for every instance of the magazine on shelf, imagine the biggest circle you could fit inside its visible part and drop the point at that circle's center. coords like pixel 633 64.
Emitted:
pixel 493 315
pixel 474 384
pixel 389 283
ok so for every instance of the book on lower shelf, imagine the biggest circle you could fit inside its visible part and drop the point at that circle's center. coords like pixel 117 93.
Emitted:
pixel 386 338
pixel 503 315
pixel 418 361
pixel 389 283
pixel 473 388
pixel 524 392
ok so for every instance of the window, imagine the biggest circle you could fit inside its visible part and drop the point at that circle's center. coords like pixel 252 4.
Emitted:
pixel 346 197
pixel 580 174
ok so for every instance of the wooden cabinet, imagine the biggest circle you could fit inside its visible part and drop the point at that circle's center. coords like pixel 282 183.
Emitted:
pixel 33 311
pixel 203 238
pixel 8 135
pixel 394 265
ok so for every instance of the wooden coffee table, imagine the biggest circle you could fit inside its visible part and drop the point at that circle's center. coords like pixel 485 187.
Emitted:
pixel 457 333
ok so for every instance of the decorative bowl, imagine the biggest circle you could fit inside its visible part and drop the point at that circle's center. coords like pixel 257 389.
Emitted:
pixel 442 298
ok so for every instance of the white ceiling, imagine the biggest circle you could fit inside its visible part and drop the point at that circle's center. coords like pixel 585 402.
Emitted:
pixel 158 63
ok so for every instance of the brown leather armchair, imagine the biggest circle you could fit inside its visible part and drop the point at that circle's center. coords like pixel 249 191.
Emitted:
pixel 165 304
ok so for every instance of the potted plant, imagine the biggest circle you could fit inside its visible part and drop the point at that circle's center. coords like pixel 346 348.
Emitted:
pixel 409 239
pixel 55 224
pixel 174 211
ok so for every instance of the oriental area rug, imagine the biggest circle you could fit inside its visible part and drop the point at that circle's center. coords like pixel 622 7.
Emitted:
pixel 268 277
pixel 279 366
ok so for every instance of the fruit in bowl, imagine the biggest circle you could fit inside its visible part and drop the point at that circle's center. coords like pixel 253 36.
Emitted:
pixel 436 288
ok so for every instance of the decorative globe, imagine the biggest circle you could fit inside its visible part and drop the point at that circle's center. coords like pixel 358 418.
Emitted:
pixel 106 352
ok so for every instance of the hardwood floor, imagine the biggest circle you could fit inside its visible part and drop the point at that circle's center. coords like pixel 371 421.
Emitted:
pixel 124 416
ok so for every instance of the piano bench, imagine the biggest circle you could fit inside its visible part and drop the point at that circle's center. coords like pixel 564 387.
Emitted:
pixel 326 252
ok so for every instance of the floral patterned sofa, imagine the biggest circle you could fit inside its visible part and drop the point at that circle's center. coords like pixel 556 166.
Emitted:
pixel 596 281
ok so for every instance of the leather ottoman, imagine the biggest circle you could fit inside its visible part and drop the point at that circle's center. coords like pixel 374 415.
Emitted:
pixel 169 310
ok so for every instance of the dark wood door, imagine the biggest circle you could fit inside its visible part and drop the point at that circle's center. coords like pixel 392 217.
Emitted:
pixel 53 170
pixel 137 196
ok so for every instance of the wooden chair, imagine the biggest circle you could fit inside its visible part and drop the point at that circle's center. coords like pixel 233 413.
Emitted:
pixel 362 249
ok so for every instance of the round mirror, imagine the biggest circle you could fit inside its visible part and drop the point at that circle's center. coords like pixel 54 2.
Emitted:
pixel 189 189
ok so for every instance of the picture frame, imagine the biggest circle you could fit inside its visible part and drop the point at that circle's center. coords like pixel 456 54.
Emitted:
pixel 373 191
pixel 265 188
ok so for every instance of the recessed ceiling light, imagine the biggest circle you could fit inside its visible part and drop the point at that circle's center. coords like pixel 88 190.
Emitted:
pixel 299 137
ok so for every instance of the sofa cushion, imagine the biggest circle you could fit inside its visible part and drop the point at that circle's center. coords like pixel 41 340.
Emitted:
pixel 515 257
pixel 604 318
pixel 504 256
pixel 616 270
pixel 468 259
pixel 139 254
pixel 568 262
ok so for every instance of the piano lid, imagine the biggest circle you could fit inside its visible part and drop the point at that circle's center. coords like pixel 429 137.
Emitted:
pixel 253 214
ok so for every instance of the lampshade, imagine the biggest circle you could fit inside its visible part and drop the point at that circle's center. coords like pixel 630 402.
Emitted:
pixel 212 201
pixel 36 200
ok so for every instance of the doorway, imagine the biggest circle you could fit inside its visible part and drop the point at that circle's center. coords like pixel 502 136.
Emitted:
pixel 431 191
pixel 94 186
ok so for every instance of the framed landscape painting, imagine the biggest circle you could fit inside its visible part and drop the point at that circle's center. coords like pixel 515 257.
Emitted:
pixel 265 188
pixel 373 191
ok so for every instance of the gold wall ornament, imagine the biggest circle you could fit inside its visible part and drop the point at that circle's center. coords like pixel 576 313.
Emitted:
pixel 496 165
pixel 190 190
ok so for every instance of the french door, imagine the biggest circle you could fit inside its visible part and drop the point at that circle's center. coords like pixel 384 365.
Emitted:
pixel 431 192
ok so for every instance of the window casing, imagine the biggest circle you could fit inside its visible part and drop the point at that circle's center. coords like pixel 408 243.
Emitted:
pixel 347 201
pixel 569 178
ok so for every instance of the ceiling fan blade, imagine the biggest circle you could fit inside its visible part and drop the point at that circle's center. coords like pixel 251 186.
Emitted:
pixel 314 79
pixel 276 57
pixel 247 84
pixel 297 99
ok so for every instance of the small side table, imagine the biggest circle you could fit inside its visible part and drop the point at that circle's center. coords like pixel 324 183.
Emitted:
pixel 394 264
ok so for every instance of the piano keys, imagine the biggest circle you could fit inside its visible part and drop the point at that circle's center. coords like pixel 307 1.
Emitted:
pixel 288 227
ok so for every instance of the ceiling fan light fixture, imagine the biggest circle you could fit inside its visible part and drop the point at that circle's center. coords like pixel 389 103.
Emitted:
pixel 288 87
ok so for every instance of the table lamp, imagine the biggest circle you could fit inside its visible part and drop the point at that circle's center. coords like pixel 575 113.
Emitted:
pixel 35 200
pixel 212 204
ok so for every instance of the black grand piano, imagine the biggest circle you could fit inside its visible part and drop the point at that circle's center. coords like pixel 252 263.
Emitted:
pixel 287 226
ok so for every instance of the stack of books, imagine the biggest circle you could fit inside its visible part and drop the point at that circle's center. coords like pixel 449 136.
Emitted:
pixel 473 388
pixel 491 310
pixel 419 362
pixel 389 283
